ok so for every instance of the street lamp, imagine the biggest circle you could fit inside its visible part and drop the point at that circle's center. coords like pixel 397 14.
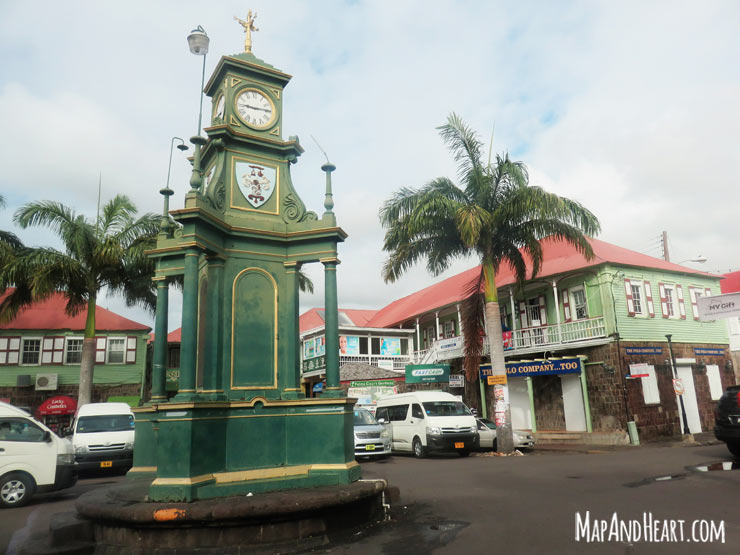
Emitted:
pixel 167 192
pixel 675 376
pixel 198 43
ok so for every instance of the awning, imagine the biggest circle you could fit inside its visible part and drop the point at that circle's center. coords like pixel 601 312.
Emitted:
pixel 57 405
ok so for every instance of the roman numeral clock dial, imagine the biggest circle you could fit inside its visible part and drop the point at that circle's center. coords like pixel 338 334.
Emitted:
pixel 255 109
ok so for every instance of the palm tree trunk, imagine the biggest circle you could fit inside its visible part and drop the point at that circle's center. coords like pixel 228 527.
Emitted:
pixel 499 408
pixel 87 365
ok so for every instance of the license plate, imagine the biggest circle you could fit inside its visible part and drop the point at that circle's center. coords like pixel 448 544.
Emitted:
pixel 369 447
pixel 106 464
pixel 459 445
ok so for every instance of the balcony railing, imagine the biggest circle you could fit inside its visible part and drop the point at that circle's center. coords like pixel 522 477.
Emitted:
pixel 533 339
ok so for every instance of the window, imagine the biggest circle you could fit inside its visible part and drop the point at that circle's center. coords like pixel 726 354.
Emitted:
pixel 669 301
pixel 9 349
pixel 446 408
pixel 397 413
pixel 73 351
pixel 20 429
pixel 416 411
pixel 449 329
pixel 116 349
pixel 636 297
pixel 31 352
pixel 580 307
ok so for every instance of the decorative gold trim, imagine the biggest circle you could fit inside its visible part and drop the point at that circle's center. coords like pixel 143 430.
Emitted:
pixel 143 469
pixel 233 121
pixel 251 475
pixel 186 391
pixel 234 183
pixel 235 81
pixel 330 259
pixel 210 391
pixel 199 238
pixel 175 269
pixel 240 416
pixel 273 120
pixel 292 389
pixel 249 404
pixel 275 131
pixel 257 67
pixel 290 263
pixel 276 92
pixel 275 329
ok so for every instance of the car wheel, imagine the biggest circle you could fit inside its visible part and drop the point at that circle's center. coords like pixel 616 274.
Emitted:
pixel 734 447
pixel 419 450
pixel 16 489
pixel 495 445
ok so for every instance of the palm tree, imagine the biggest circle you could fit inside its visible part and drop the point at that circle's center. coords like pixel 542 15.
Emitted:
pixel 106 253
pixel 496 216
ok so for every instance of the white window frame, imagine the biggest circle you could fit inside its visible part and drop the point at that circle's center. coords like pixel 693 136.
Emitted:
pixel 66 349
pixel 22 350
pixel 640 287
pixel 574 306
pixel 122 351
pixel 671 301
pixel 448 329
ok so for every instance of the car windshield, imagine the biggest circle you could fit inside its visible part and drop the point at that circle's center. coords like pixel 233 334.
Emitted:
pixel 105 423
pixel 364 418
pixel 488 423
pixel 446 408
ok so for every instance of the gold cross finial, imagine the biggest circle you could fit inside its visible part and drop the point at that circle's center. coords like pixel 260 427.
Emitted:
pixel 248 28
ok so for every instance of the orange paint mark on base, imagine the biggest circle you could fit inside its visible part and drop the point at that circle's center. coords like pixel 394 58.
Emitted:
pixel 164 515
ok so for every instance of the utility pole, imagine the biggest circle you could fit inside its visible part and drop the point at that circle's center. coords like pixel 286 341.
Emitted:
pixel 675 376
pixel 666 256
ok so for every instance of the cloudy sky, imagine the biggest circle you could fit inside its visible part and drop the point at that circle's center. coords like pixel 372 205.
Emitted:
pixel 628 107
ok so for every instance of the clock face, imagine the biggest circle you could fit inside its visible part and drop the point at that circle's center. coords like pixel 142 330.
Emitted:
pixel 255 108
pixel 218 112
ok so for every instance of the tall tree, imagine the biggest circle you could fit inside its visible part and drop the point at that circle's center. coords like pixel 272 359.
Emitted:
pixel 107 252
pixel 494 215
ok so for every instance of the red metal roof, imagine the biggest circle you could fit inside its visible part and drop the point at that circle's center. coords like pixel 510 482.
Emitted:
pixel 50 315
pixel 558 258
pixel 313 319
pixel 731 283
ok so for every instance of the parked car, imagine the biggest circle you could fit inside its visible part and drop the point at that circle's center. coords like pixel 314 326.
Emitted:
pixel 426 421
pixel 727 419
pixel 103 436
pixel 32 458
pixel 371 438
pixel 487 433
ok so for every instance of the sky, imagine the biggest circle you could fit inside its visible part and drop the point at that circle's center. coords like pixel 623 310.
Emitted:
pixel 630 108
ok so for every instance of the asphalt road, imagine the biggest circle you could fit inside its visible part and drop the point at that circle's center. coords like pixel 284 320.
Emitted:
pixel 486 504
pixel 17 524
pixel 528 504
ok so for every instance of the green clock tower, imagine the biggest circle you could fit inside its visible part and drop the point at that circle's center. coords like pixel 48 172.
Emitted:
pixel 240 421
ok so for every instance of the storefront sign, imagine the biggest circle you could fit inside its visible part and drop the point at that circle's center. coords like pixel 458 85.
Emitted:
pixel 643 350
pixel 318 363
pixel 349 345
pixel 372 383
pixel 719 306
pixel 709 351
pixel 449 348
pixel 390 346
pixel 369 394
pixel 457 380
pixel 497 379
pixel 536 368
pixel 427 373
pixel 58 405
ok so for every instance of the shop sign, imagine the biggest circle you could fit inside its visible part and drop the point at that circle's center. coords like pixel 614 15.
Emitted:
pixel 58 405
pixel 678 387
pixel 457 380
pixel 372 383
pixel 536 368
pixel 449 348
pixel 643 350
pixel 427 373
pixel 709 351
pixel 318 363
pixel 497 379
pixel 719 306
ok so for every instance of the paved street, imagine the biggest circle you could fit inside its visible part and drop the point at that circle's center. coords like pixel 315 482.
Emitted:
pixel 17 524
pixel 527 504
pixel 485 504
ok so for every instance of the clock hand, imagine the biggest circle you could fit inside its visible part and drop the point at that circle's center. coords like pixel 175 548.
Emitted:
pixel 255 107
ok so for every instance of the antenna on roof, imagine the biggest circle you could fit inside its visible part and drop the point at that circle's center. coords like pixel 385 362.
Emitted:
pixel 321 149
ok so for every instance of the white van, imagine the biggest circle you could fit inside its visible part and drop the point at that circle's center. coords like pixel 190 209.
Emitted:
pixel 32 458
pixel 426 421
pixel 103 436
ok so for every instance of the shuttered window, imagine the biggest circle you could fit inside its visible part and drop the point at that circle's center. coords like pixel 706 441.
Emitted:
pixel 650 392
pixel 715 381
pixel 9 350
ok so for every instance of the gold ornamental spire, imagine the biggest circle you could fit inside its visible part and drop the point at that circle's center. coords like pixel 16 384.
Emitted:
pixel 248 28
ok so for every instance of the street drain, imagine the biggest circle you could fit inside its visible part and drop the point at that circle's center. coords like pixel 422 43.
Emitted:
pixel 718 466
pixel 655 479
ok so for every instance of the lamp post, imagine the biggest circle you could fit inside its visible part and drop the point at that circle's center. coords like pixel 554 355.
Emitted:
pixel 198 42
pixel 675 376
pixel 167 192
